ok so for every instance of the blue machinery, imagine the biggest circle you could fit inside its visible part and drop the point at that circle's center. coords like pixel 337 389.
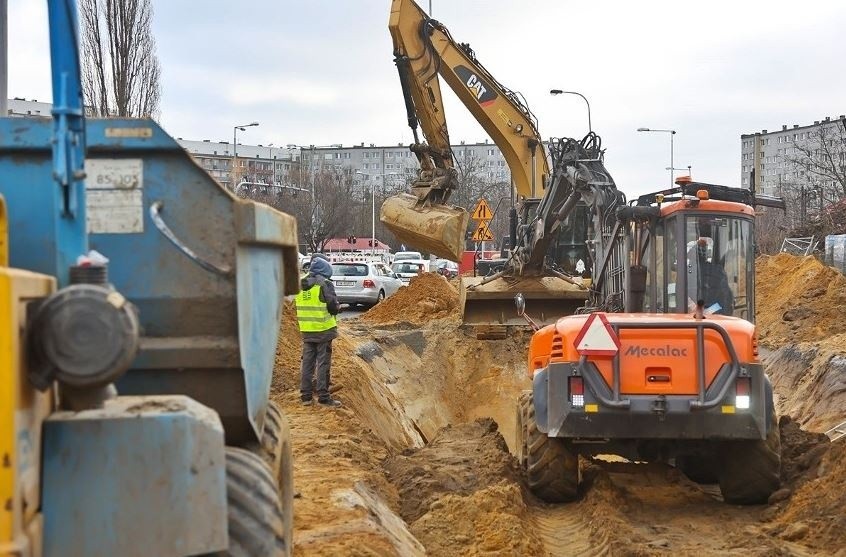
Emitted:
pixel 183 321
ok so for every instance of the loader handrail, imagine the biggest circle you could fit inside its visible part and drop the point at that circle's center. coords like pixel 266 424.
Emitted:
pixel 590 372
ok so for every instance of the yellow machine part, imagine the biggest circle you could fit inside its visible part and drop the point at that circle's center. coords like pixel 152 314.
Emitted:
pixel 22 410
pixel 436 229
pixel 491 304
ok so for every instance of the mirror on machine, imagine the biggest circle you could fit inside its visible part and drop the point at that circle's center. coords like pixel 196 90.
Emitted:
pixel 520 302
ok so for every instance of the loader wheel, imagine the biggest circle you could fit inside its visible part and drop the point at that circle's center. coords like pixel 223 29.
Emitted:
pixel 702 469
pixel 552 471
pixel 276 442
pixel 750 469
pixel 256 524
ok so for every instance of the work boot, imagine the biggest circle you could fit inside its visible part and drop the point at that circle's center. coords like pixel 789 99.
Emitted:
pixel 330 402
pixel 307 401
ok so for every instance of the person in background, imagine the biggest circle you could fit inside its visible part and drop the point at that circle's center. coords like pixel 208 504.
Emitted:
pixel 317 305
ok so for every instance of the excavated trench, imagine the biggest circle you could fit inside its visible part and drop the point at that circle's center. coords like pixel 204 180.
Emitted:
pixel 418 462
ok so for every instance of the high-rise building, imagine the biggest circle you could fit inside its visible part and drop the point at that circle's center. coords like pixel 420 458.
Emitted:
pixel 780 158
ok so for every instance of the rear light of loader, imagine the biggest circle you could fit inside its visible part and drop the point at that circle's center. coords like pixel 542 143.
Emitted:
pixel 755 344
pixel 368 283
pixel 742 390
pixel 577 391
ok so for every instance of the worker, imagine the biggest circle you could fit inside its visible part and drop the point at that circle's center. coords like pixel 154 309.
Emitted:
pixel 707 280
pixel 317 305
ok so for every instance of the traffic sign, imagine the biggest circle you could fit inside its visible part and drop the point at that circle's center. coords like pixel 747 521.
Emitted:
pixel 482 211
pixel 483 232
pixel 597 338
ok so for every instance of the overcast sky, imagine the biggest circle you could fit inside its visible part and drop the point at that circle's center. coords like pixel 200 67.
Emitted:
pixel 321 72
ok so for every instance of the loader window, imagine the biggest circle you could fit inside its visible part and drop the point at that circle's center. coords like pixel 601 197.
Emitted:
pixel 718 260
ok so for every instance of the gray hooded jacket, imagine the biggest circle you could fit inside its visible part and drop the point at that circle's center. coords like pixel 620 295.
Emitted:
pixel 320 273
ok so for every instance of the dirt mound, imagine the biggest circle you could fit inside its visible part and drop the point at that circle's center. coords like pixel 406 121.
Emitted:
pixel 816 513
pixel 798 299
pixel 810 381
pixel 428 296
pixel 801 452
pixel 461 495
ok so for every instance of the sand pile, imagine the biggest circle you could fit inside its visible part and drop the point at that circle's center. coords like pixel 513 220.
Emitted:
pixel 798 299
pixel 816 514
pixel 428 296
pixel 461 494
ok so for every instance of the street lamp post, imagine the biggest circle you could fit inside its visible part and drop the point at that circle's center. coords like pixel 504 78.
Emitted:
pixel 560 92
pixel 688 167
pixel 672 134
pixel 272 164
pixel 242 127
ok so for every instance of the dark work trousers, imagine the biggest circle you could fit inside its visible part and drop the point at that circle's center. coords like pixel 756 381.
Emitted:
pixel 317 354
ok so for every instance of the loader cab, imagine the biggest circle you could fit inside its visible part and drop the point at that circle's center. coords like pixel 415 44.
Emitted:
pixel 700 249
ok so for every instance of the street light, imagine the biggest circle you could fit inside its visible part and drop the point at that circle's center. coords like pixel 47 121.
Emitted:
pixel 270 158
pixel 672 133
pixel 560 92
pixel 372 215
pixel 680 169
pixel 242 127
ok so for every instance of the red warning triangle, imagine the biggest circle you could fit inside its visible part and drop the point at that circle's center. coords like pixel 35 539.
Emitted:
pixel 597 338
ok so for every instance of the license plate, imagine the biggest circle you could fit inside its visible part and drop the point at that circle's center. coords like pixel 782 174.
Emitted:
pixel 345 283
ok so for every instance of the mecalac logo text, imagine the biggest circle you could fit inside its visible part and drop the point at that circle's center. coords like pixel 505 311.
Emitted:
pixel 667 350
pixel 482 90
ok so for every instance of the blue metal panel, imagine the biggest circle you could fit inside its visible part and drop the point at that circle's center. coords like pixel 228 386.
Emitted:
pixel 143 476
pixel 260 274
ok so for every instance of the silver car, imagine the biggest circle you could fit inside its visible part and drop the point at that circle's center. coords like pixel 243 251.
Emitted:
pixel 363 283
pixel 407 269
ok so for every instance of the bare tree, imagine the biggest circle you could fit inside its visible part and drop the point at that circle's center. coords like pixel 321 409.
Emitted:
pixel 121 72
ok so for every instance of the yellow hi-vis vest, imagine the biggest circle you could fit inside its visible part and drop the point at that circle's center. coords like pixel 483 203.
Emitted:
pixel 312 314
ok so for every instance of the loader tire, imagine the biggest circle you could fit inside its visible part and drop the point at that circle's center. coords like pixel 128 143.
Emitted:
pixel 701 469
pixel 276 443
pixel 256 525
pixel 552 471
pixel 750 470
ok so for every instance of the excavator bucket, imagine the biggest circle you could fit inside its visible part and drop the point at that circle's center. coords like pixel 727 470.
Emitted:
pixel 437 229
pixel 490 306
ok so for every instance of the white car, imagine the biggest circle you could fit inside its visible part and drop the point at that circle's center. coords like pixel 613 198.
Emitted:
pixel 407 269
pixel 404 255
pixel 363 282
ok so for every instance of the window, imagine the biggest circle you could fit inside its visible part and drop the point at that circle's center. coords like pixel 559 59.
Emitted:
pixel 366 155
pixel 346 155
pixel 491 152
pixel 389 154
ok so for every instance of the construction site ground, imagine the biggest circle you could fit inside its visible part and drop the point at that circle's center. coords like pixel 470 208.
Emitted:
pixel 418 461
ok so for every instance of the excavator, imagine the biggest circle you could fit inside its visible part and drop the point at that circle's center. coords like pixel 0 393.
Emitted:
pixel 576 194
pixel 660 360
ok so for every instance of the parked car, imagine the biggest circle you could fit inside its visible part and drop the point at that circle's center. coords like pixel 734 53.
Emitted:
pixel 407 269
pixel 404 255
pixel 447 268
pixel 363 283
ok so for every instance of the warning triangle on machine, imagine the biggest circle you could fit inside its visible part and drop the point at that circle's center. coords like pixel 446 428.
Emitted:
pixel 482 211
pixel 597 338
pixel 483 233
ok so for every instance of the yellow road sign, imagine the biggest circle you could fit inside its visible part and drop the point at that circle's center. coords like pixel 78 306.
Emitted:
pixel 483 232
pixel 482 211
